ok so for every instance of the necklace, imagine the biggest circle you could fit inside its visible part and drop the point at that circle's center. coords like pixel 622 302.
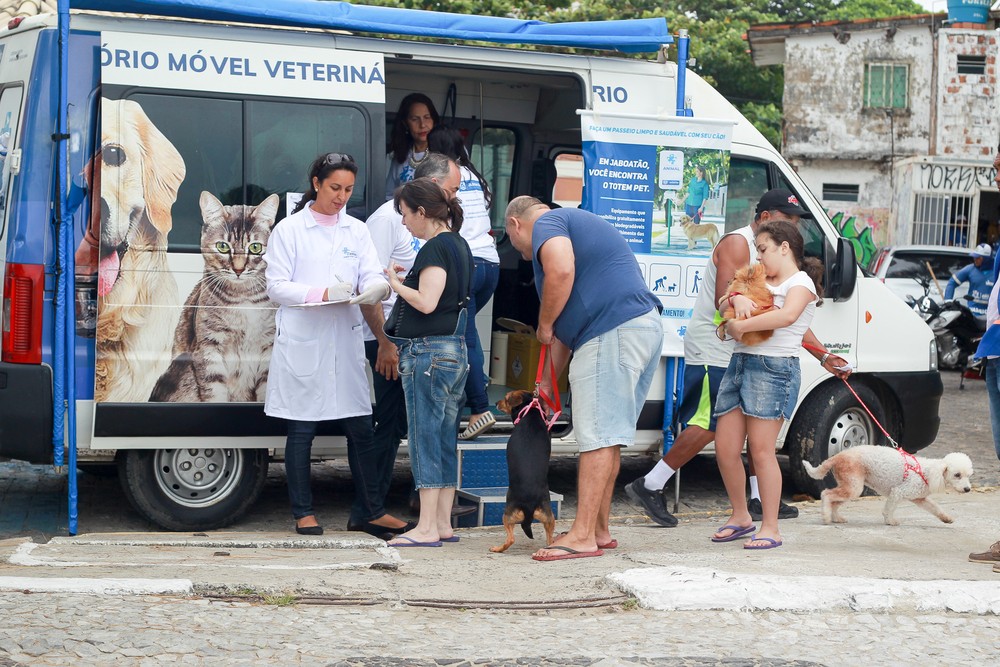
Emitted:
pixel 414 161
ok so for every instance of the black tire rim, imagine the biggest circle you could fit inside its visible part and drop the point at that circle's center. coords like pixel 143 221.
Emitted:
pixel 197 477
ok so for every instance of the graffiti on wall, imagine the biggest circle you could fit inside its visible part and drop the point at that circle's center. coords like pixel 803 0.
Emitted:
pixel 955 178
pixel 861 230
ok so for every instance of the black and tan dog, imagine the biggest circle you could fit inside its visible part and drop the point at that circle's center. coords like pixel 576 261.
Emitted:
pixel 528 452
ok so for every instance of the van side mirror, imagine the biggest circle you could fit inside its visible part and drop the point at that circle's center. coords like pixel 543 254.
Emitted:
pixel 842 272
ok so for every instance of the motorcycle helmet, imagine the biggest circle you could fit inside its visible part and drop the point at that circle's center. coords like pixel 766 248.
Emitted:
pixel 982 250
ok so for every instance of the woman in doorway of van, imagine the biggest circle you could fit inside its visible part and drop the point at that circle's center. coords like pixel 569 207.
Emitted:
pixel 320 256
pixel 475 197
pixel 427 323
pixel 414 121
pixel 760 387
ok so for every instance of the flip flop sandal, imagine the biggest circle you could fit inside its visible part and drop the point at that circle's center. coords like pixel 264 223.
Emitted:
pixel 738 532
pixel 570 553
pixel 610 544
pixel 410 542
pixel 772 543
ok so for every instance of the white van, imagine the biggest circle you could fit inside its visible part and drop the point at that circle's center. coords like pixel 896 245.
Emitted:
pixel 251 132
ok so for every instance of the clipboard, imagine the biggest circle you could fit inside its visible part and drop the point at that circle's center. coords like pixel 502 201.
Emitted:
pixel 318 303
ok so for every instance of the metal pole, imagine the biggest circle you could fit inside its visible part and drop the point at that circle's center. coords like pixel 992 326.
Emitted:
pixel 65 284
pixel 683 46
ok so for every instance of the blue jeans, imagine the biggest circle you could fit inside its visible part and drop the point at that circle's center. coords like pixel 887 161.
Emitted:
pixel 433 372
pixel 362 457
pixel 484 284
pixel 993 392
pixel 389 422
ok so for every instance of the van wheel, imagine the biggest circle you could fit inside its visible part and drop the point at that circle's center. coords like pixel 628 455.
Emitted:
pixel 830 421
pixel 192 489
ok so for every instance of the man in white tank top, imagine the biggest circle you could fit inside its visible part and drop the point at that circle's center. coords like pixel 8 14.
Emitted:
pixel 706 359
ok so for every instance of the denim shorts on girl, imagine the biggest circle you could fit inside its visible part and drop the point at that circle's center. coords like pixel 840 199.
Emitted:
pixel 610 376
pixel 762 387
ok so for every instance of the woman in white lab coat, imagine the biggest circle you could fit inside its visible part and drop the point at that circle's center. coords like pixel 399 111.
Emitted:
pixel 318 259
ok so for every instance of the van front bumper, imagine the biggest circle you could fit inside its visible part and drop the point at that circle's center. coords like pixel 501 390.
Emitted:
pixel 26 412
pixel 919 396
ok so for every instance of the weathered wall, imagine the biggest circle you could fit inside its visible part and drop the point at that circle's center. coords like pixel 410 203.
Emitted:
pixel 823 99
pixel 867 220
pixel 967 123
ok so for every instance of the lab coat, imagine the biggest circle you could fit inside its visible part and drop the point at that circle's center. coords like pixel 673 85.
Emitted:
pixel 317 369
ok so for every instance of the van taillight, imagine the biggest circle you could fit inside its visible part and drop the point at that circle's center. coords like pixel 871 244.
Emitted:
pixel 22 314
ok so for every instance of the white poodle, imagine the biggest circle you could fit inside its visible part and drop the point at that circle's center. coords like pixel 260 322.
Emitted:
pixel 892 473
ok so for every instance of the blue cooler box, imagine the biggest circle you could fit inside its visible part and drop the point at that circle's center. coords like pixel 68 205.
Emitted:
pixel 491 501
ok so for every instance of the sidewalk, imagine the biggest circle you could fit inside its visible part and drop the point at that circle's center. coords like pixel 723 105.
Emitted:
pixel 863 565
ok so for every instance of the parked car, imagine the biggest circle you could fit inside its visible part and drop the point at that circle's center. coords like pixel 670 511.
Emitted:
pixel 901 267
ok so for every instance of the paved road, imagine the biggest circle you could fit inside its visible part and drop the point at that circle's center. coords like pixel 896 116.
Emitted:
pixel 75 629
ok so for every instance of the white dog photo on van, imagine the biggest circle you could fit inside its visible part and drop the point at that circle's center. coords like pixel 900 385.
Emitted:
pixel 137 298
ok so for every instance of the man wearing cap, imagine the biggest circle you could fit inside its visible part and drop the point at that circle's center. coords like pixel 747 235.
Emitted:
pixel 979 275
pixel 706 359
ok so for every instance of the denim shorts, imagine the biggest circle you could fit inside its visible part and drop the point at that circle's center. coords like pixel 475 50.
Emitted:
pixel 433 371
pixel 762 387
pixel 610 376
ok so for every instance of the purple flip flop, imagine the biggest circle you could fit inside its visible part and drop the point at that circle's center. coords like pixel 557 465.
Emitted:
pixel 413 542
pixel 453 538
pixel 773 543
pixel 738 532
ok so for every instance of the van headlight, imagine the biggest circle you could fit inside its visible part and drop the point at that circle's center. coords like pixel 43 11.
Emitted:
pixel 934 355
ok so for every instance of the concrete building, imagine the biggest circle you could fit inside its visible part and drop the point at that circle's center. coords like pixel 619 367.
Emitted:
pixel 893 123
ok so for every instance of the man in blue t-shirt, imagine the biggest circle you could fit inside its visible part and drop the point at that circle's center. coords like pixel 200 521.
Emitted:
pixel 596 305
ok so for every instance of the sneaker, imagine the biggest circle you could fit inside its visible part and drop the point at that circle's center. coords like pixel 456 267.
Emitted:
pixel 653 502
pixel 784 511
pixel 991 556
pixel 478 427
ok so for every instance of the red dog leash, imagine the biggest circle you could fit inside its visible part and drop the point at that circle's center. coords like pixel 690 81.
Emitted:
pixel 555 404
pixel 910 463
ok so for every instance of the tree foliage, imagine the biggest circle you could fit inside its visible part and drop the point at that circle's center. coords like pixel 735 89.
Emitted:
pixel 717 29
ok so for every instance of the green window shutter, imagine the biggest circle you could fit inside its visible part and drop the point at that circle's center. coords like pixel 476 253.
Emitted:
pixel 899 87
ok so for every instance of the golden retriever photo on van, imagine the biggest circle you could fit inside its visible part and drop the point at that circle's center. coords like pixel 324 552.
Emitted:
pixel 139 174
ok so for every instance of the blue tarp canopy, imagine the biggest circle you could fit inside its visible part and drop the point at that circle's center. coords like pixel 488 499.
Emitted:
pixel 629 36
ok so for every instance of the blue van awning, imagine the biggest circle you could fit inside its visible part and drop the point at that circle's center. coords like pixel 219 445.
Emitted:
pixel 629 36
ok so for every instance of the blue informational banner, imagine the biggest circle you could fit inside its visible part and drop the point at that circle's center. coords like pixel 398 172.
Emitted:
pixel 663 183
pixel 969 11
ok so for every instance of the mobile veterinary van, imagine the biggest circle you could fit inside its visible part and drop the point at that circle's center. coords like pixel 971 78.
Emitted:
pixel 172 122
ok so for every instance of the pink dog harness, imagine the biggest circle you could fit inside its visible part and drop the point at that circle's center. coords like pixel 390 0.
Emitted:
pixel 554 403
pixel 911 464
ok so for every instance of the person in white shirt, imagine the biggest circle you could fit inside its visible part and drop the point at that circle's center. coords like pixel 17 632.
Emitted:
pixel 475 197
pixel 761 385
pixel 320 255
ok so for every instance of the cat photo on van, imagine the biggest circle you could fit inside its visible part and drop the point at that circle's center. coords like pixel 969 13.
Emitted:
pixel 223 340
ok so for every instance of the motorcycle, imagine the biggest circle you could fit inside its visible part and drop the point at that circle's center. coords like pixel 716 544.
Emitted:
pixel 956 330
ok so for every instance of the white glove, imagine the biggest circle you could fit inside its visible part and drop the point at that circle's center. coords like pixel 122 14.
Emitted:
pixel 339 292
pixel 376 293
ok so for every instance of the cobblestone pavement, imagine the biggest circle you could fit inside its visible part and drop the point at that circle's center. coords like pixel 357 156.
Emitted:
pixel 88 630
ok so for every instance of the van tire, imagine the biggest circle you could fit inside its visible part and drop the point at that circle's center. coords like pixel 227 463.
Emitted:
pixel 829 421
pixel 163 485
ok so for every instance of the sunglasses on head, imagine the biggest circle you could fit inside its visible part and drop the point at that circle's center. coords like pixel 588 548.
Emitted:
pixel 337 158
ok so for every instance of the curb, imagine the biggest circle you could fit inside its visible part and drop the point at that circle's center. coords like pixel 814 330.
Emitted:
pixel 701 589
pixel 96 586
